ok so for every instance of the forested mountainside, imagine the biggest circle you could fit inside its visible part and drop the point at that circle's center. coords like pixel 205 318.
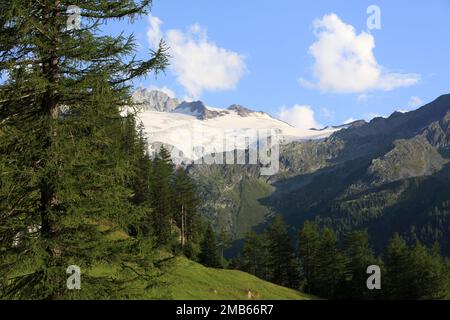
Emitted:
pixel 389 175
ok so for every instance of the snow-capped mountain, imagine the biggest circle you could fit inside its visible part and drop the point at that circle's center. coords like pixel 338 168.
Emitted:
pixel 202 112
pixel 199 110
pixel 154 100
pixel 193 128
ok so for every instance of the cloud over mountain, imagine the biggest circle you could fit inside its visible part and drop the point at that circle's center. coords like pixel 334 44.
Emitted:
pixel 344 61
pixel 299 116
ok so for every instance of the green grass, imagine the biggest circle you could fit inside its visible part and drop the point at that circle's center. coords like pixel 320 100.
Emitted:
pixel 181 279
pixel 184 279
pixel 188 280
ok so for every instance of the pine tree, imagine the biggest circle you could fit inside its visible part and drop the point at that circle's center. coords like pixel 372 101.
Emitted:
pixel 140 179
pixel 185 202
pixel 283 267
pixel 65 170
pixel 254 258
pixel 427 274
pixel 209 255
pixel 416 272
pixel 162 196
pixel 331 267
pixel 142 163
pixel 396 262
pixel 308 250
pixel 360 256
pixel 325 267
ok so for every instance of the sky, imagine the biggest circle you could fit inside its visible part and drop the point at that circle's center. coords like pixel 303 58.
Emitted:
pixel 310 63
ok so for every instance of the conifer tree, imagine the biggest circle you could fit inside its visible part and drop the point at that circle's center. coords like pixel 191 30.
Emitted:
pixel 162 197
pixel 331 270
pixel 65 170
pixel 396 262
pixel 283 267
pixel 325 267
pixel 254 258
pixel 427 276
pixel 209 255
pixel 185 202
pixel 137 148
pixel 415 272
pixel 308 250
pixel 140 178
pixel 360 257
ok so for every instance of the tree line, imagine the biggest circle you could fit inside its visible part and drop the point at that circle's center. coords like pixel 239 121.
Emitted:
pixel 316 262
pixel 170 201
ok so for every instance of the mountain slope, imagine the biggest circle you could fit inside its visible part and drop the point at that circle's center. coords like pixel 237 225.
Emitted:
pixel 389 175
pixel 191 281
pixel 184 279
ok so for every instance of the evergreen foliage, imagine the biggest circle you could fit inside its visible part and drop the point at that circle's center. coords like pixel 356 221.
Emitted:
pixel 415 272
pixel 338 270
pixel 254 255
pixel 282 264
pixel 185 202
pixel 68 155
pixel 209 255
pixel 162 196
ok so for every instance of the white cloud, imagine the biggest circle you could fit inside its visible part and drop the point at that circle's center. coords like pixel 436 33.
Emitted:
pixel 299 116
pixel 349 120
pixel 362 98
pixel 345 62
pixel 415 102
pixel 154 34
pixel 198 63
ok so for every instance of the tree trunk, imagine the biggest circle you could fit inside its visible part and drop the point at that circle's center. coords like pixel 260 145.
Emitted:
pixel 50 108
pixel 183 227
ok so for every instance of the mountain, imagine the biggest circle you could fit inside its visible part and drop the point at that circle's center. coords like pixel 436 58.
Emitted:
pixel 356 123
pixel 193 129
pixel 390 175
pixel 199 110
pixel 154 100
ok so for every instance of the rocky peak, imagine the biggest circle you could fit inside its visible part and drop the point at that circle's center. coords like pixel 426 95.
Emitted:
pixel 154 100
pixel 199 110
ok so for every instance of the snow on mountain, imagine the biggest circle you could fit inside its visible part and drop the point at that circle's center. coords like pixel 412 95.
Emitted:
pixel 199 110
pixel 194 129
pixel 356 123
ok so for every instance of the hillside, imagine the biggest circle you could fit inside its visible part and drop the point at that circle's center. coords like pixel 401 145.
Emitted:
pixel 188 280
pixel 184 279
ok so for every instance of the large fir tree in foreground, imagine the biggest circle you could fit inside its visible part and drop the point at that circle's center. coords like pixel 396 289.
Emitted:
pixel 65 171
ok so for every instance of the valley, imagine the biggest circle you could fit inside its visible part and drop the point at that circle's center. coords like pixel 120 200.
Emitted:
pixel 389 175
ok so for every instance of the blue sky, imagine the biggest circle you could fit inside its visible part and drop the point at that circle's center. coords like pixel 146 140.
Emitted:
pixel 255 53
